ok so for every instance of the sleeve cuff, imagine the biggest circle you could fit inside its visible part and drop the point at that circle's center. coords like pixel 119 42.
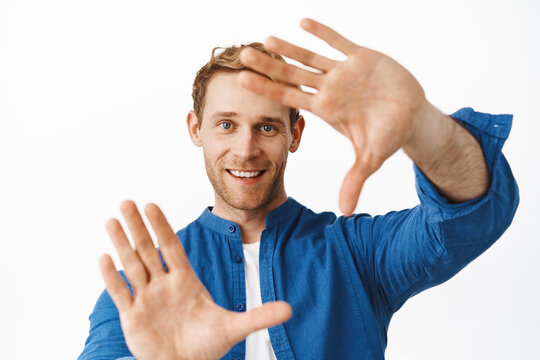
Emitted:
pixel 491 131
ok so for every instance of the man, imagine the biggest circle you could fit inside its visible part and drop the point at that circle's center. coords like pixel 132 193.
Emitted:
pixel 329 285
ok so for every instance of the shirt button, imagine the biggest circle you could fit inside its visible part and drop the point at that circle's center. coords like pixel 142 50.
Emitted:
pixel 237 358
pixel 231 228
pixel 237 259
pixel 239 306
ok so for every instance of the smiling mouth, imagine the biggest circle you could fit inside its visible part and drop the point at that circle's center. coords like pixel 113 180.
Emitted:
pixel 246 174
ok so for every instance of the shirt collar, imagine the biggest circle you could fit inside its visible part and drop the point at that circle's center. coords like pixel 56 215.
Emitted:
pixel 286 211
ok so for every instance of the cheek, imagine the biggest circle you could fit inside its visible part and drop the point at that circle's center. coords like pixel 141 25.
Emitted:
pixel 214 149
pixel 278 153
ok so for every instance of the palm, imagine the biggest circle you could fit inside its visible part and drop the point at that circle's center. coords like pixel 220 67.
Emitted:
pixel 369 98
pixel 172 315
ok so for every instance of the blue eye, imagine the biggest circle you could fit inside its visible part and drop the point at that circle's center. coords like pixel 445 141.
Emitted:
pixel 226 125
pixel 267 127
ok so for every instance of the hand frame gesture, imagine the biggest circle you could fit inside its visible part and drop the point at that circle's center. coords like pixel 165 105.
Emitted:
pixel 369 97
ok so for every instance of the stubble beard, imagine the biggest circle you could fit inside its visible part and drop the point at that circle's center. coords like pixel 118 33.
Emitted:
pixel 253 199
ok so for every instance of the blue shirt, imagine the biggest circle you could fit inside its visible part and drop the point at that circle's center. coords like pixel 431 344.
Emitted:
pixel 343 276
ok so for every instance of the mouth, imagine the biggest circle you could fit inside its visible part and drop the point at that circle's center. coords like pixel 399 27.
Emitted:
pixel 247 177
pixel 246 174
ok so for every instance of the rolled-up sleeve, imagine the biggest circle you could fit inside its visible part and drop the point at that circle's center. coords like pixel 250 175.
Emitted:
pixel 405 252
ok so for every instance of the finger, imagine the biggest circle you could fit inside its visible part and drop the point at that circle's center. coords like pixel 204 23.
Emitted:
pixel 268 315
pixel 287 95
pixel 135 270
pixel 141 238
pixel 171 248
pixel 330 36
pixel 297 53
pixel 116 286
pixel 278 70
pixel 351 187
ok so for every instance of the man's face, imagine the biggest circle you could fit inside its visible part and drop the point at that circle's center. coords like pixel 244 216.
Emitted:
pixel 246 139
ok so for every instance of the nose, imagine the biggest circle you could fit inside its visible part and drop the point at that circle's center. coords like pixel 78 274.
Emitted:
pixel 246 145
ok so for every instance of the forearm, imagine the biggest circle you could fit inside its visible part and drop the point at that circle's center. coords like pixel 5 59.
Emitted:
pixel 449 155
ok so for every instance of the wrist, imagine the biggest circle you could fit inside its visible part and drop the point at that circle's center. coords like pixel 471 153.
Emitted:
pixel 431 131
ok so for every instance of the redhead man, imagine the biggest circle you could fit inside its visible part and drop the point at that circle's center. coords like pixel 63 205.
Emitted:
pixel 260 276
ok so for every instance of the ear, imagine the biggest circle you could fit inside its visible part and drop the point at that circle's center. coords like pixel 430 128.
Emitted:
pixel 297 133
pixel 193 128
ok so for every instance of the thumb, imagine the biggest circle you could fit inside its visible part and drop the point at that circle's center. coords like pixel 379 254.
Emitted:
pixel 268 315
pixel 351 187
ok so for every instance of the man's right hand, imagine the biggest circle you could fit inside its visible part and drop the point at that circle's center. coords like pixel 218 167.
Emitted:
pixel 172 315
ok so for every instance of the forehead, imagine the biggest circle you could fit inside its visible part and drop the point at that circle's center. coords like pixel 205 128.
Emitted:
pixel 225 94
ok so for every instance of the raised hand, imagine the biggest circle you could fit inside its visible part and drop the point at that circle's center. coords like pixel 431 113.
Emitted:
pixel 172 315
pixel 369 97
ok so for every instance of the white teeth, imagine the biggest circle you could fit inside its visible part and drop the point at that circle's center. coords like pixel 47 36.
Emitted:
pixel 245 174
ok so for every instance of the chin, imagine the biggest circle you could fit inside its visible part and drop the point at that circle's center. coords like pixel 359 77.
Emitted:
pixel 246 198
pixel 247 202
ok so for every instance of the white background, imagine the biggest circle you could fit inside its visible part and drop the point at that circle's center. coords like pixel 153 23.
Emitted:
pixel 93 101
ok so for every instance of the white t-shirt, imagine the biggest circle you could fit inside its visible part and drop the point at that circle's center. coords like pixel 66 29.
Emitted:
pixel 258 345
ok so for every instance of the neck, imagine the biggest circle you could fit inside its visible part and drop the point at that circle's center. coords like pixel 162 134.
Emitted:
pixel 252 221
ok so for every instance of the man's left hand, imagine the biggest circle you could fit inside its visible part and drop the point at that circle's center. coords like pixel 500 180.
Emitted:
pixel 369 97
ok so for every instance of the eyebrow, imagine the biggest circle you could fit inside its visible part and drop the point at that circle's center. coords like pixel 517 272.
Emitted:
pixel 224 114
pixel 232 114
